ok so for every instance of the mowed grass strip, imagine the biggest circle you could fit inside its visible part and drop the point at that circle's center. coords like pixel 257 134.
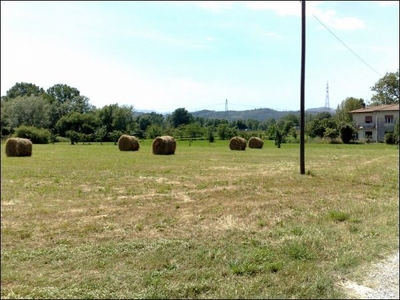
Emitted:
pixel 90 221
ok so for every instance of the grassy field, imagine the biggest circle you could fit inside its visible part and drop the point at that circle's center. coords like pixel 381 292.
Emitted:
pixel 90 221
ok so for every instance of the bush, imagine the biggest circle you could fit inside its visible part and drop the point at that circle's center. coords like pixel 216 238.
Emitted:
pixel 346 132
pixel 36 135
pixel 390 138
pixel 292 140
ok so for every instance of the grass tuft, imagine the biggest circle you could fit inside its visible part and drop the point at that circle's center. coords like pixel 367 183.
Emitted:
pixel 338 216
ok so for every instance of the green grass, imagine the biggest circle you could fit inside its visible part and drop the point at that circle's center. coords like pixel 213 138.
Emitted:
pixel 90 221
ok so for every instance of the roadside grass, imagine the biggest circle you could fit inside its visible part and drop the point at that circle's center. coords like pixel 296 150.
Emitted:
pixel 90 221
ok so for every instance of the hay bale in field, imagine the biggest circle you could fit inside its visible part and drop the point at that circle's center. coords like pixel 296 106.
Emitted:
pixel 256 142
pixel 164 145
pixel 237 143
pixel 128 143
pixel 18 147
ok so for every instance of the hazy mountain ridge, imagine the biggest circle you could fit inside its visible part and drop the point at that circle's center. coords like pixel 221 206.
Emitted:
pixel 259 114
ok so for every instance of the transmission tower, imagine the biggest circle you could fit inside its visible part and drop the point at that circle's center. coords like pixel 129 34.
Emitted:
pixel 327 97
pixel 226 109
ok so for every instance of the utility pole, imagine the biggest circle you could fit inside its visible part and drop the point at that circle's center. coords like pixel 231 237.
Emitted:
pixel 303 60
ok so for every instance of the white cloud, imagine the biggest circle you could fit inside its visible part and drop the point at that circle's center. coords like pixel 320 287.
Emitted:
pixel 293 8
pixel 331 20
pixel 281 8
pixel 215 6
pixel 387 3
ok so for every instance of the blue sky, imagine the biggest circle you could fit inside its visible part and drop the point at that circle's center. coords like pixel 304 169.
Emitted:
pixel 161 56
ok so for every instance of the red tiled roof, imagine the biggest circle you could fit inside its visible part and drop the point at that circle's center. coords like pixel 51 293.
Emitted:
pixel 389 107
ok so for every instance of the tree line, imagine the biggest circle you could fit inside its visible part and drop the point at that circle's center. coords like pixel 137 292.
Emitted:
pixel 62 113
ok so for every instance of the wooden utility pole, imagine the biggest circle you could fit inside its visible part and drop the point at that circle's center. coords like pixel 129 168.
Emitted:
pixel 303 61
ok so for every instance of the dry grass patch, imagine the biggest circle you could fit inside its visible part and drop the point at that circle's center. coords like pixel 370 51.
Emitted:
pixel 239 225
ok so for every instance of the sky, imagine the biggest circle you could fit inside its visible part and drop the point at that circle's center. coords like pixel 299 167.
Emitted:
pixel 161 56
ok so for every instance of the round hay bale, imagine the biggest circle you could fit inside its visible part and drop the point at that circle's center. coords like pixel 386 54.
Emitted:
pixel 237 143
pixel 164 145
pixel 128 143
pixel 18 147
pixel 256 142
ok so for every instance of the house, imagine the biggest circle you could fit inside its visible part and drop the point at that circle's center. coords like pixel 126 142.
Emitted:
pixel 373 122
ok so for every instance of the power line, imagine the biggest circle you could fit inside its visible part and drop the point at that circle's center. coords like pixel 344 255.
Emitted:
pixel 347 46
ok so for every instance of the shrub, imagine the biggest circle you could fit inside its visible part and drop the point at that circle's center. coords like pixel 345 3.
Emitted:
pixel 34 134
pixel 346 133
pixel 73 136
pixel 390 138
pixel 338 216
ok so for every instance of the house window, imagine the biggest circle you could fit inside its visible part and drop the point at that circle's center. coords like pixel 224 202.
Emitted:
pixel 368 134
pixel 368 119
pixel 389 119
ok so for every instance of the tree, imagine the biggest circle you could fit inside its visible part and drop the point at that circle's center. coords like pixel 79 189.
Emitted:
pixel 123 117
pixel 239 124
pixel 144 121
pixel 153 131
pixel 180 117
pixel 271 131
pixel 81 127
pixel 331 133
pixel 287 127
pixel 65 99
pixel 116 118
pixel 73 136
pixel 349 104
pixel 323 115
pixel 21 89
pixel 225 132
pixel 4 120
pixel 315 128
pixel 292 117
pixel 210 134
pixel 253 124
pixel 396 131
pixel 100 134
pixel 179 131
pixel 194 130
pixel 318 126
pixel 386 89
pixel 114 135
pixel 61 93
pixel 346 132
pixel 278 138
pixel 106 115
pixel 27 110
pixel 81 104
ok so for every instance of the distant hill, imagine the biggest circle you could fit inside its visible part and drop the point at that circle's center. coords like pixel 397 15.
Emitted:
pixel 321 109
pixel 259 114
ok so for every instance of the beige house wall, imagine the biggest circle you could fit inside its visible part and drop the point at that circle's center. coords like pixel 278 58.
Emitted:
pixel 378 127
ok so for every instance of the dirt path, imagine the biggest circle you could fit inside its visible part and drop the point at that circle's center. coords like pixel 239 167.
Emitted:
pixel 381 281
